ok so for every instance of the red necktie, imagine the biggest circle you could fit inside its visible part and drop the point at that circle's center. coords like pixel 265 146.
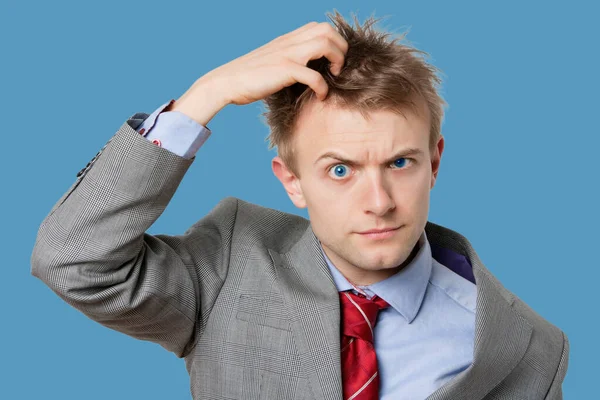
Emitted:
pixel 360 377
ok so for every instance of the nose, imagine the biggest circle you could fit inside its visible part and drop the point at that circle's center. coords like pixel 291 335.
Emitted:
pixel 378 196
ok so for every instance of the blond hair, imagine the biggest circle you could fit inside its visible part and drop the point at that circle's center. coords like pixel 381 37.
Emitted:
pixel 378 74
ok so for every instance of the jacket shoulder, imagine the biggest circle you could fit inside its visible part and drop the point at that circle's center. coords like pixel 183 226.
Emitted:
pixel 548 350
pixel 549 336
pixel 264 226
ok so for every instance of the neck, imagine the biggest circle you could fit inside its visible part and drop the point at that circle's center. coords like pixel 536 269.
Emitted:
pixel 365 277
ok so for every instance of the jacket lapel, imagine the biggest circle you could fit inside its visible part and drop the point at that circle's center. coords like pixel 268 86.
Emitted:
pixel 501 334
pixel 313 303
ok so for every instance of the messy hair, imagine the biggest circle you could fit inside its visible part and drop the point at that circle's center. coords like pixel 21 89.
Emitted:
pixel 378 74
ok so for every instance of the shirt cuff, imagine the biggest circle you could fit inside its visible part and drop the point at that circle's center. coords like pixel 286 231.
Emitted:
pixel 174 131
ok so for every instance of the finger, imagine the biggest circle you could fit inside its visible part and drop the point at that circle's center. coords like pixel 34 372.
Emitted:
pixel 304 28
pixel 324 29
pixel 316 48
pixel 296 32
pixel 309 77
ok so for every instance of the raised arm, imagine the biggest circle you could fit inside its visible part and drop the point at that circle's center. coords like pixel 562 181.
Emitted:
pixel 93 250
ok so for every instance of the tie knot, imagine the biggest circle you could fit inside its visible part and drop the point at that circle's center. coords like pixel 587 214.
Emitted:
pixel 359 314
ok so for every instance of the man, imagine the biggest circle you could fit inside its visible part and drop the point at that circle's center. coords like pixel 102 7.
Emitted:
pixel 365 300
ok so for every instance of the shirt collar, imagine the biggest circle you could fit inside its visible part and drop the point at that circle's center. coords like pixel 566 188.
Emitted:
pixel 405 290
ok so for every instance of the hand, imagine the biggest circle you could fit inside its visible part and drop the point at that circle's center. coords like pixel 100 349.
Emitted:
pixel 281 63
pixel 266 70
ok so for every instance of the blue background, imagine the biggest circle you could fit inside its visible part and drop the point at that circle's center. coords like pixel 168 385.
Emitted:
pixel 519 175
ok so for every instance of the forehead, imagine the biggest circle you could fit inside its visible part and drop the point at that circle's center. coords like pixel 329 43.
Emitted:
pixel 324 127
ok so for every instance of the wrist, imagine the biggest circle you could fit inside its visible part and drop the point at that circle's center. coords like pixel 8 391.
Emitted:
pixel 201 102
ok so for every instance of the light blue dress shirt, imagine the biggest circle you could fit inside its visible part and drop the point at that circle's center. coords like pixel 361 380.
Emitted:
pixel 426 336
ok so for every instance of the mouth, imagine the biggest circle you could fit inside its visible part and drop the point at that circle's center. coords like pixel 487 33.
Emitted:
pixel 379 233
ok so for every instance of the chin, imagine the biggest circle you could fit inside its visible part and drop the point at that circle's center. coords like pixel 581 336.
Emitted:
pixel 383 261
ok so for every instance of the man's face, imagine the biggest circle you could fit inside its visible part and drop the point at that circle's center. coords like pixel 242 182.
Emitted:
pixel 369 180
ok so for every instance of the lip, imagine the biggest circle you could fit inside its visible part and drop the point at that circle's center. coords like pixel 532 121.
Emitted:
pixel 378 230
pixel 379 233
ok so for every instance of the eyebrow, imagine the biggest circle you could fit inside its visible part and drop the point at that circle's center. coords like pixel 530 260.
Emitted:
pixel 402 153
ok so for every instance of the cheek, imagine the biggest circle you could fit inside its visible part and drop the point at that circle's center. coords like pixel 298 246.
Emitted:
pixel 331 213
pixel 320 195
pixel 412 193
pixel 326 209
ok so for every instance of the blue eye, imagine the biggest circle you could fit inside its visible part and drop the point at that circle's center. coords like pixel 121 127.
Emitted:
pixel 339 170
pixel 403 161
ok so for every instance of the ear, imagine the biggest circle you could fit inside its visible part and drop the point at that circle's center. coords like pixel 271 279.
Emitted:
pixel 289 181
pixel 435 160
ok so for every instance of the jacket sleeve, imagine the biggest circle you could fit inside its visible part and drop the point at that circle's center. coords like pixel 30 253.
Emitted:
pixel 555 391
pixel 92 248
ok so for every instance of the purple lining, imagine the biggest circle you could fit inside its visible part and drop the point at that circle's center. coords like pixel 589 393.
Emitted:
pixel 454 261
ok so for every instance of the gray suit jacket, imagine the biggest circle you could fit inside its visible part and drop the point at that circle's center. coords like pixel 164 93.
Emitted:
pixel 244 295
